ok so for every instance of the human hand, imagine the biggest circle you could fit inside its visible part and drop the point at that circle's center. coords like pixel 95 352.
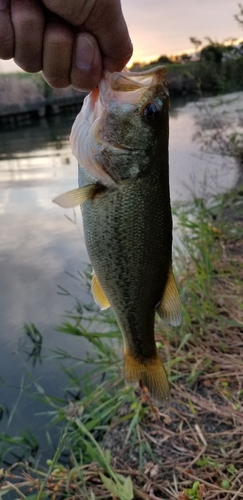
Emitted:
pixel 70 42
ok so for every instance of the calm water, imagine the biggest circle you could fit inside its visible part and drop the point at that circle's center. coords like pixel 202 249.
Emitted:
pixel 40 247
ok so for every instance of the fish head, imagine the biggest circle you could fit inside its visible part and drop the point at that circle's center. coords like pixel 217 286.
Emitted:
pixel 134 107
pixel 122 125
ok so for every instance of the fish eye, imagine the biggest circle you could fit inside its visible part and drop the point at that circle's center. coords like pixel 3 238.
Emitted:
pixel 151 112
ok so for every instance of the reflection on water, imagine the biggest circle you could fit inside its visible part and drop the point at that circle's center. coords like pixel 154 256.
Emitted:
pixel 38 243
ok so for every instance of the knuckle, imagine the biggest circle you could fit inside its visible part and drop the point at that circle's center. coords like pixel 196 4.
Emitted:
pixel 25 19
pixel 58 36
pixel 75 12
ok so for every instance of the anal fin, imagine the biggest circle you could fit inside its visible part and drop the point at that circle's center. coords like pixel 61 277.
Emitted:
pixel 99 294
pixel 169 308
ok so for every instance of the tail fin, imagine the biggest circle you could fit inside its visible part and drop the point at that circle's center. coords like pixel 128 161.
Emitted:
pixel 148 373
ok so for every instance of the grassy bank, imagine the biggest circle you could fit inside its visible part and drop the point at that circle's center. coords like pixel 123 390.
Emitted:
pixel 118 446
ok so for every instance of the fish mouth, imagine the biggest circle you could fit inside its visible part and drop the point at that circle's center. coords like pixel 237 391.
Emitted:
pixel 127 87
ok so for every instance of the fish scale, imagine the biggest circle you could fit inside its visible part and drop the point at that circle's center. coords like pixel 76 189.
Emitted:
pixel 120 139
pixel 127 257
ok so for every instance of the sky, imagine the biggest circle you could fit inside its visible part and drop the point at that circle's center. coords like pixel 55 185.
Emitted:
pixel 164 26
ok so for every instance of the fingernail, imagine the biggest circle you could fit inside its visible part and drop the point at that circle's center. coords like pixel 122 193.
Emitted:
pixel 84 53
pixel 3 4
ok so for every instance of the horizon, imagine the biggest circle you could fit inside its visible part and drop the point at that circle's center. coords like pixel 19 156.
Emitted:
pixel 14 68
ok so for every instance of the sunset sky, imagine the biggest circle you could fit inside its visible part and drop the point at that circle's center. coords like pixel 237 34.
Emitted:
pixel 164 26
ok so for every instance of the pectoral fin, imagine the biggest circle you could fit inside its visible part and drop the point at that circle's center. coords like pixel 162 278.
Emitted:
pixel 76 196
pixel 169 308
pixel 98 293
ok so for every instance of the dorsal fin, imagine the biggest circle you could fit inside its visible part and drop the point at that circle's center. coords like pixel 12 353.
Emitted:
pixel 98 293
pixel 76 196
pixel 169 308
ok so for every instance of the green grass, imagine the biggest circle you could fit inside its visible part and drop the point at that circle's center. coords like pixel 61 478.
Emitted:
pixel 118 446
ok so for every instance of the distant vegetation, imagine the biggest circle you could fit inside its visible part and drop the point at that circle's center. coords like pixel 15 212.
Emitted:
pixel 22 88
pixel 210 69
pixel 214 69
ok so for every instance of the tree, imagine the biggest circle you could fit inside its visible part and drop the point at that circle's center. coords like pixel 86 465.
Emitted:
pixel 164 59
pixel 195 41
pixel 239 16
pixel 212 53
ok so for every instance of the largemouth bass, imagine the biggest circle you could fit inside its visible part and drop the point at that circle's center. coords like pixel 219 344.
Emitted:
pixel 120 139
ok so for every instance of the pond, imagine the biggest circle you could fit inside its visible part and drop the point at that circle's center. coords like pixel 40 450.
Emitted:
pixel 42 246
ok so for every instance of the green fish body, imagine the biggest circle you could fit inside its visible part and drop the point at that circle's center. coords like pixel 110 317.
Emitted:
pixel 127 216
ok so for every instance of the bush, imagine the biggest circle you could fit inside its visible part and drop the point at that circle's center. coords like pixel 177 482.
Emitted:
pixel 208 77
pixel 212 53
